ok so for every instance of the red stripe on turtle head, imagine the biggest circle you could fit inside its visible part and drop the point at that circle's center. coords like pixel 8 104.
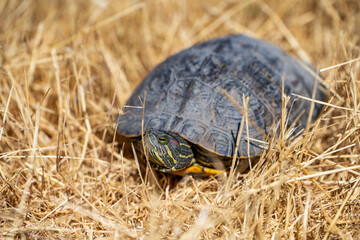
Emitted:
pixel 175 142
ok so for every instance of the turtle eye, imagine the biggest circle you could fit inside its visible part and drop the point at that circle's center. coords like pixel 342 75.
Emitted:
pixel 163 140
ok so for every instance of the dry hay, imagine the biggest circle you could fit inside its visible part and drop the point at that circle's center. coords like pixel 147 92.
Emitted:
pixel 66 70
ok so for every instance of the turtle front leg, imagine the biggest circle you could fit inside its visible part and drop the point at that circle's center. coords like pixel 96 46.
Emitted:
pixel 200 171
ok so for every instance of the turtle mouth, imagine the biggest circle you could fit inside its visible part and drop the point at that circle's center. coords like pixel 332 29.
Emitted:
pixel 150 145
pixel 154 154
pixel 166 151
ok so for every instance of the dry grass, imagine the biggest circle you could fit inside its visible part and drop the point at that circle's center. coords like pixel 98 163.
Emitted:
pixel 67 68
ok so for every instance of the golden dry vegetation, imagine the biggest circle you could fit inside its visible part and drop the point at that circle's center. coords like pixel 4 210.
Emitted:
pixel 67 68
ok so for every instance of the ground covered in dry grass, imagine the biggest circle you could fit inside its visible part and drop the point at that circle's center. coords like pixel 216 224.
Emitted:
pixel 66 70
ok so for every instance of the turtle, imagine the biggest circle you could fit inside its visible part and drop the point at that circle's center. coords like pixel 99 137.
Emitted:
pixel 195 100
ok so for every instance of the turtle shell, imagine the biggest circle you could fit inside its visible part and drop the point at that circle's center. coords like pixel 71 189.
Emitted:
pixel 185 94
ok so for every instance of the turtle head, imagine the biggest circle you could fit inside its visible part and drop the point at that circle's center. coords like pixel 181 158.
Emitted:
pixel 167 151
